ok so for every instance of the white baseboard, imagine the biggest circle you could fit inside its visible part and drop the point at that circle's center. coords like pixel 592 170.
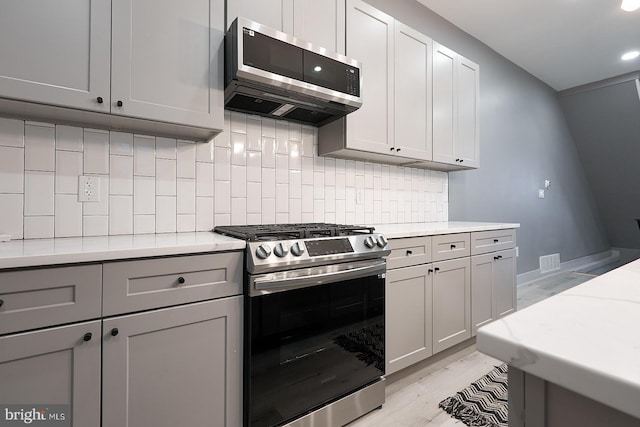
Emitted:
pixel 589 261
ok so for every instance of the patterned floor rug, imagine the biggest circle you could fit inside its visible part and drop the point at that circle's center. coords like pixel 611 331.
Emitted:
pixel 483 403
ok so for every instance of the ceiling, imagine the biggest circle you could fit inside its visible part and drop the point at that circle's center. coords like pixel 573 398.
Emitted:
pixel 565 43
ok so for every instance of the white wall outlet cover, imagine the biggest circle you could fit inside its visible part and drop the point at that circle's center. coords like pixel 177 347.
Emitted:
pixel 5 237
pixel 359 197
pixel 88 188
pixel 541 194
pixel 547 184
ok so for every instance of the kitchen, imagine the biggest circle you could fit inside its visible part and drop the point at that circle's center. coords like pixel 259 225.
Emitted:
pixel 154 179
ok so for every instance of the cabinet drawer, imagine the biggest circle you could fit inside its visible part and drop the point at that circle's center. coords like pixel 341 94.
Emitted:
pixel 449 246
pixel 409 251
pixel 483 242
pixel 49 296
pixel 152 283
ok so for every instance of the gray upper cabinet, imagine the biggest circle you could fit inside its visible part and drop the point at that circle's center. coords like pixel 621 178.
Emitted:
pixel 321 23
pixel 174 366
pixel 455 109
pixel 276 14
pixel 54 366
pixel 167 61
pixel 56 52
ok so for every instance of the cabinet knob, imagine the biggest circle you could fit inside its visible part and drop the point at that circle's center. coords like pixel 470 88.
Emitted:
pixel 497 257
pixel 119 103
pixel 495 240
pixel 436 269
pixel 114 332
pixel 100 100
pixel 87 336
pixel 457 160
pixel 430 270
pixel 453 246
pixel 461 160
pixel 409 253
pixel 392 148
pixel 397 149
pixel 181 280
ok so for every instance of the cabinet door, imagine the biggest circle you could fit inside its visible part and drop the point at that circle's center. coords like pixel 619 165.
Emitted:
pixel 444 104
pixel 271 13
pixel 56 52
pixel 54 366
pixel 482 293
pixel 504 282
pixel 175 366
pixel 412 93
pixel 408 302
pixel 370 41
pixel 467 147
pixel 321 23
pixel 167 61
pixel 451 303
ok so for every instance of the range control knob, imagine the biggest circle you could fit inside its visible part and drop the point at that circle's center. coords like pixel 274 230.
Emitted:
pixel 369 242
pixel 297 249
pixel 281 250
pixel 382 241
pixel 263 251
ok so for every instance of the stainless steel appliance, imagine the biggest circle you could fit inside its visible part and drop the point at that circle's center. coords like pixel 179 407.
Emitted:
pixel 314 323
pixel 277 75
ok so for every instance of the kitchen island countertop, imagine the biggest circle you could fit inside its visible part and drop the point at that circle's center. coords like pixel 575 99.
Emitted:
pixel 393 231
pixel 584 339
pixel 37 252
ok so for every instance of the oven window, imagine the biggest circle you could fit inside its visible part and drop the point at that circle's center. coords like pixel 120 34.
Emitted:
pixel 313 345
pixel 272 55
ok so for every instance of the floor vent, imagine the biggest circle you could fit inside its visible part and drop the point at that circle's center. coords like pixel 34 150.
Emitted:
pixel 549 263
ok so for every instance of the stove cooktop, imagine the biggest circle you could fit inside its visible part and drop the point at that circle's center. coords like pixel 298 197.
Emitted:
pixel 271 232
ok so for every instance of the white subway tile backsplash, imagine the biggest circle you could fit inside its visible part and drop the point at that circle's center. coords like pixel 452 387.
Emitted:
pixel 295 132
pixel 318 210
pixel 165 148
pixel 222 162
pixel 238 181
pixel 96 152
pixel 12 215
pixel 307 199
pixel 121 215
pixel 204 213
pixel 318 185
pixel 186 223
pixel 69 138
pixel 282 137
pixel 11 169
pixel 121 175
pixel 268 183
pixel 282 198
pixel 282 218
pixel 330 172
pixel 238 122
pixel 329 199
pixel 282 169
pixel 295 155
pixel 269 128
pixel 254 199
pixel 186 159
pixel 39 148
pixel 39 227
pixel 254 166
pixel 224 138
pixel 238 211
pixel 268 210
pixel 204 179
pixel 204 152
pixel 68 216
pixel 165 177
pixel 95 225
pixel 254 218
pixel 144 195
pixel 121 143
pixel 166 214
pixel 144 155
pixel 144 224
pixel 307 141
pixel 186 199
pixel 295 184
pixel 238 149
pixel 268 152
pixel 222 219
pixel 307 171
pixel 38 193
pixel 254 133
pixel 222 197
pixel 68 168
pixel 11 132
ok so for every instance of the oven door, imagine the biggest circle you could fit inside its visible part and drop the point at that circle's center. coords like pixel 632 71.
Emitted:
pixel 314 335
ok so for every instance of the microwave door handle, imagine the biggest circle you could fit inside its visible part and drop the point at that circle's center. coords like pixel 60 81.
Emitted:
pixel 323 275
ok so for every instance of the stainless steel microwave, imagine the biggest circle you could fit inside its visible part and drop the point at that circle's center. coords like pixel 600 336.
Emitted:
pixel 273 74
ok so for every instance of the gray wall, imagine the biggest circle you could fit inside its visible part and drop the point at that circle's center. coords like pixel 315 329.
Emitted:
pixel 605 124
pixel 524 140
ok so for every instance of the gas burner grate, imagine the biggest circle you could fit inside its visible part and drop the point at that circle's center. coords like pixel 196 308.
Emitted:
pixel 291 231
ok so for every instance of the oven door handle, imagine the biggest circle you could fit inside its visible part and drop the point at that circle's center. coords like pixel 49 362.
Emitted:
pixel 314 276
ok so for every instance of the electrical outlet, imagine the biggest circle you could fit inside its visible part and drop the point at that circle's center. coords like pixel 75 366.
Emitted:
pixel 88 188
pixel 540 194
pixel 359 197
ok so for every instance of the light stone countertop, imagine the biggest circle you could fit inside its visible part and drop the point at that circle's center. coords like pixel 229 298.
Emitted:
pixel 585 339
pixel 392 231
pixel 36 252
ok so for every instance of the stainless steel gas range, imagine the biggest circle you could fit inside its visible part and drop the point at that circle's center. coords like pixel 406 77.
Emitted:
pixel 314 323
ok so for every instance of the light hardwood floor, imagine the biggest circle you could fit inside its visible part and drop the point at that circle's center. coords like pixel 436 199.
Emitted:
pixel 412 395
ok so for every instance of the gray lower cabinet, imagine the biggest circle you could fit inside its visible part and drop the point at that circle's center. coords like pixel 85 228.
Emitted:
pixel 58 365
pixel 174 366
pixel 494 289
pixel 408 324
pixel 451 302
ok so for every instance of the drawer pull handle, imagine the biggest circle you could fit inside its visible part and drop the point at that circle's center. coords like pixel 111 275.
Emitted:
pixel 495 240
pixel 436 269
pixel 114 332
pixel 1 303
pixel 453 246
pixel 430 270
pixel 87 336
pixel 497 257
pixel 409 253
pixel 181 280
